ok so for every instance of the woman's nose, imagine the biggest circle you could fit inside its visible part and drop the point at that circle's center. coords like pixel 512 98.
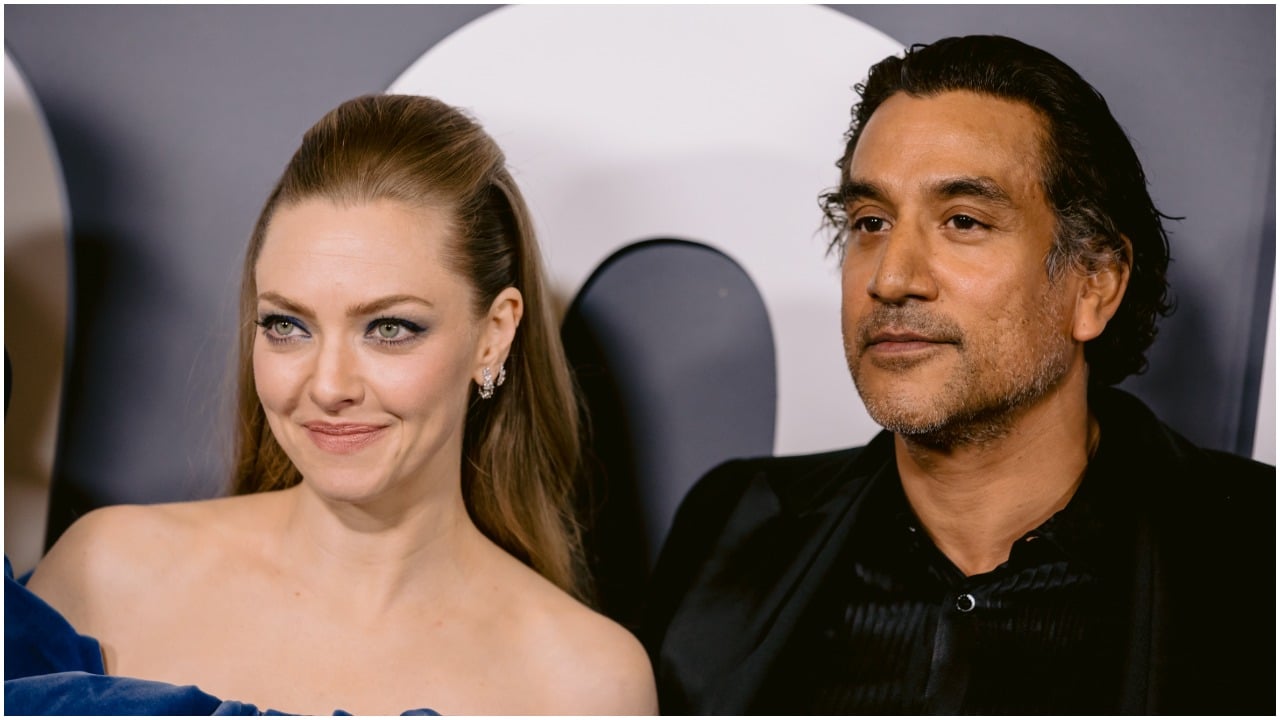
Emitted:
pixel 336 381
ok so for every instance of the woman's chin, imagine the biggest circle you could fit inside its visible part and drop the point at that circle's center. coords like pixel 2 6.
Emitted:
pixel 353 487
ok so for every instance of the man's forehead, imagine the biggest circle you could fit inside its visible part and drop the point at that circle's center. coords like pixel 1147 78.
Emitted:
pixel 957 134
pixel 970 102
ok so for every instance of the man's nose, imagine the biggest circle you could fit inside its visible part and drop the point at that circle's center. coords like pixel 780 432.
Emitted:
pixel 903 267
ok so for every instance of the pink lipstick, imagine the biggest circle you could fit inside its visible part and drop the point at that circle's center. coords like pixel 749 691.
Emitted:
pixel 343 438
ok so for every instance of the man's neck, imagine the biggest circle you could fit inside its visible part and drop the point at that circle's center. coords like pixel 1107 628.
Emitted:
pixel 976 500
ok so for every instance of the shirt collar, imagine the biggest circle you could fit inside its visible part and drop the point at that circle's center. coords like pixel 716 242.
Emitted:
pixel 1089 532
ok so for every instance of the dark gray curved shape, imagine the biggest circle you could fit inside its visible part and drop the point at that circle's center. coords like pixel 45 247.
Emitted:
pixel 673 352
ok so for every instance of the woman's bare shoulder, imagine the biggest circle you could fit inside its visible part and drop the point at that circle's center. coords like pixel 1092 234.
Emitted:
pixel 589 664
pixel 605 668
pixel 111 554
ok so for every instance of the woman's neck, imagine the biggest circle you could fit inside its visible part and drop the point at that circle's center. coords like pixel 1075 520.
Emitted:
pixel 374 554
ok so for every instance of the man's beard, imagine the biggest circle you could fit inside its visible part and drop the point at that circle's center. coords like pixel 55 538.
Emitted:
pixel 985 394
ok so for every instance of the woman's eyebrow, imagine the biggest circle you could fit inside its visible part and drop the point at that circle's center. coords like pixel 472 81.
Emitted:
pixel 374 306
pixel 285 303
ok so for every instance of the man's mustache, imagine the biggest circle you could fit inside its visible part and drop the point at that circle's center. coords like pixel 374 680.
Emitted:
pixel 905 323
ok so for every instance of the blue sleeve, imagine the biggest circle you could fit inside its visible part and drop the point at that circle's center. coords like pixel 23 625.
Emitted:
pixel 38 640
pixel 81 693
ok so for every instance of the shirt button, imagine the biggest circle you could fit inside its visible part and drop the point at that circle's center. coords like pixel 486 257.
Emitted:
pixel 966 603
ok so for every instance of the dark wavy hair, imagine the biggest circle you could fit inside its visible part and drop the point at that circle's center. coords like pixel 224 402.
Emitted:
pixel 520 463
pixel 1092 176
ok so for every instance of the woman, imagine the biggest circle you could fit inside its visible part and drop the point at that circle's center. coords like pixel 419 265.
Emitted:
pixel 402 531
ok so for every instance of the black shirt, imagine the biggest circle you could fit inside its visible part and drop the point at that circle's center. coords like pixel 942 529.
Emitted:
pixel 897 628
pixel 759 564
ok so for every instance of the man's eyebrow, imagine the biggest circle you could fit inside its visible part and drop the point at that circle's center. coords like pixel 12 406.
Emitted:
pixel 855 189
pixel 979 187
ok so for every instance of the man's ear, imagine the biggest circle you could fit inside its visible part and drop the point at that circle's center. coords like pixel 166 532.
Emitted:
pixel 1101 290
pixel 497 331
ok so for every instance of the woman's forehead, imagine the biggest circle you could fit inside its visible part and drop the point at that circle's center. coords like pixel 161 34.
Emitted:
pixel 318 246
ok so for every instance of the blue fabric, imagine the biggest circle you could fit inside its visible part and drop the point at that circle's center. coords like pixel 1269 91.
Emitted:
pixel 50 669
pixel 81 693
pixel 39 641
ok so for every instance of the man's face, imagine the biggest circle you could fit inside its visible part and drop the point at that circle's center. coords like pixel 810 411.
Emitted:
pixel 951 323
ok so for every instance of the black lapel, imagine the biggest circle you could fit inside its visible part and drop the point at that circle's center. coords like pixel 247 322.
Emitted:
pixel 1153 475
pixel 775 550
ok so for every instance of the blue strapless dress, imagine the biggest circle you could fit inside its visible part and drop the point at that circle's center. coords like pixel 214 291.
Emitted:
pixel 50 669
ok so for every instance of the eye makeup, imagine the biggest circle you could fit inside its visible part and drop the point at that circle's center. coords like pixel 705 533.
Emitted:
pixel 387 330
pixel 280 329
pixel 393 331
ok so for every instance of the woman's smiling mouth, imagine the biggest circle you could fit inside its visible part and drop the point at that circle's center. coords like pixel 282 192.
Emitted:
pixel 343 438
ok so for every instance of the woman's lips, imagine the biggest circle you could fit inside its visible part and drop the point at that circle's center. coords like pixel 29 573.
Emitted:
pixel 343 439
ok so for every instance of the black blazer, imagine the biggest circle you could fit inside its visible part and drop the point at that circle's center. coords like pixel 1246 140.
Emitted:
pixel 753 540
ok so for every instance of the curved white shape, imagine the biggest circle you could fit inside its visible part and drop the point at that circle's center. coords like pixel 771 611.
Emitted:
pixel 1264 429
pixel 36 296
pixel 719 124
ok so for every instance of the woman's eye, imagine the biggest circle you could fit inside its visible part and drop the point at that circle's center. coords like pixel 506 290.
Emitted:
pixel 278 328
pixel 393 331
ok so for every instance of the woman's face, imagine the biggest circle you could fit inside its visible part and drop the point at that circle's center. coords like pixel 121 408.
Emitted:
pixel 366 347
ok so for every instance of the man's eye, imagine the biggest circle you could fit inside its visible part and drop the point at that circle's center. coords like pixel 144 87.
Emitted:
pixel 870 223
pixel 964 222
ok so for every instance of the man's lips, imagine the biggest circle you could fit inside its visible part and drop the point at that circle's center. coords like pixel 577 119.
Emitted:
pixel 343 438
pixel 904 338
pixel 902 342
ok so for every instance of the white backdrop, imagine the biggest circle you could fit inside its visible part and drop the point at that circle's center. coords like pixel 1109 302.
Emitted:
pixel 716 124
pixel 35 317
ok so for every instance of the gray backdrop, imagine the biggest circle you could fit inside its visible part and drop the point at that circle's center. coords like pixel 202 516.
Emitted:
pixel 171 124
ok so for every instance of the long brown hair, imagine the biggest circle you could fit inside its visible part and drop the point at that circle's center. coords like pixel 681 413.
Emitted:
pixel 520 448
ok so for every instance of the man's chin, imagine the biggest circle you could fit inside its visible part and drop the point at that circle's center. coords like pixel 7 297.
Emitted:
pixel 901 400
pixel 909 424
pixel 904 414
pixel 927 423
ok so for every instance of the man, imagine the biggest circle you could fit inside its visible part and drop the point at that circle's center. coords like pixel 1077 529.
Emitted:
pixel 1022 538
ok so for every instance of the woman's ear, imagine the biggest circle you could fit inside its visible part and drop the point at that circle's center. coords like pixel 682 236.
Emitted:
pixel 1101 291
pixel 497 331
